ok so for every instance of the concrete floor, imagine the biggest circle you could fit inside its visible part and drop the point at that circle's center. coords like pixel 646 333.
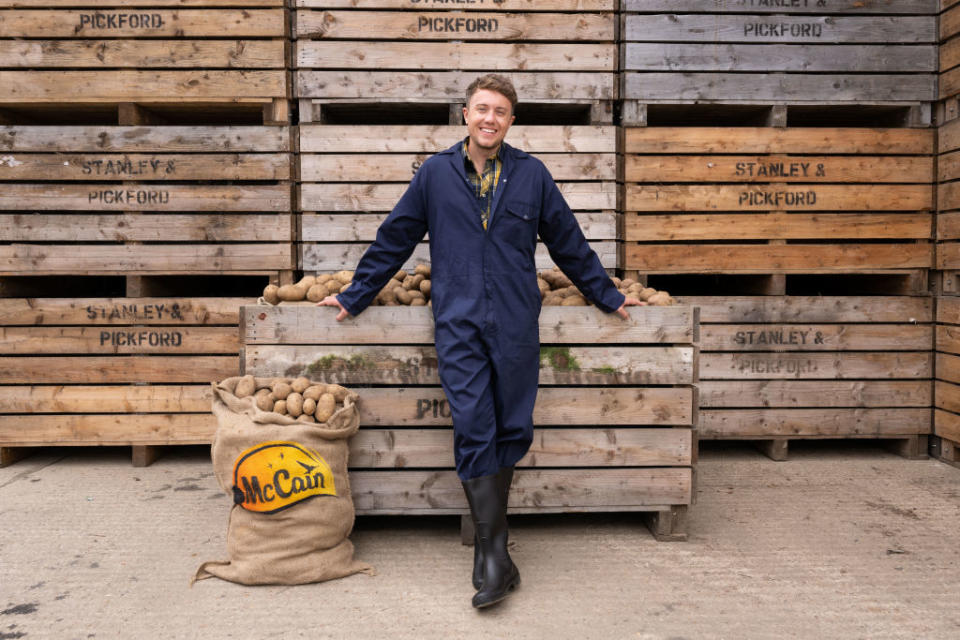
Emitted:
pixel 844 540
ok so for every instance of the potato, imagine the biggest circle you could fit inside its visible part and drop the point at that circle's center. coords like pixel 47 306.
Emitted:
pixel 326 406
pixel 339 393
pixel 333 286
pixel 645 293
pixel 305 418
pixel 544 287
pixel 281 390
pixel 270 294
pixel 660 299
pixel 616 281
pixel 400 275
pixel 575 300
pixel 264 400
pixel 425 287
pixel 417 295
pixel 306 282
pixel 309 406
pixel 294 404
pixel 291 293
pixel 280 406
pixel 324 278
pixel 343 277
pixel 403 296
pixel 418 302
pixel 316 293
pixel 313 392
pixel 300 384
pixel 345 287
pixel 626 283
pixel 552 300
pixel 245 387
pixel 413 283
pixel 422 270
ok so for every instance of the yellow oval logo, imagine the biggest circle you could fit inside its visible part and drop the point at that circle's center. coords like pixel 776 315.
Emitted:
pixel 272 476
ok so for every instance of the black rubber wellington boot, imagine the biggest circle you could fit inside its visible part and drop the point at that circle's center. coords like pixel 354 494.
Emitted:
pixel 504 480
pixel 500 575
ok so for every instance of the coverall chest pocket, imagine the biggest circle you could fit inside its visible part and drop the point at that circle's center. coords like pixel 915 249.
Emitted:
pixel 520 225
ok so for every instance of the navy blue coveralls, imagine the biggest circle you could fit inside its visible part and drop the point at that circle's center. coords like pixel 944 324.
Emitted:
pixel 484 293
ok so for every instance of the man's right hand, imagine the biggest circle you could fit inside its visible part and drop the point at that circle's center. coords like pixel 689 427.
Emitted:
pixel 331 301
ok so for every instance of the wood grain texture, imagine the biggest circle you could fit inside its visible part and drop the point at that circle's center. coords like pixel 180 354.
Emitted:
pixel 816 309
pixel 834 422
pixel 946 425
pixel 143 54
pixel 39 399
pixel 817 366
pixel 816 337
pixel 145 139
pixel 120 311
pixel 32 167
pixel 186 23
pixel 127 340
pixel 143 227
pixel 814 393
pixel 115 370
pixel 853 7
pixel 161 197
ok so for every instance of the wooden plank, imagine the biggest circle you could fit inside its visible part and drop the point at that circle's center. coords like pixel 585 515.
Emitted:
pixel 119 23
pixel 111 4
pixel 106 399
pixel 819 337
pixel 776 225
pixel 402 167
pixel 129 259
pixel 346 227
pixel 172 197
pixel 350 197
pixel 819 58
pixel 949 54
pixel 144 139
pixel 946 425
pixel 949 23
pixel 740 140
pixel 814 393
pixel 126 340
pixel 141 227
pixel 433 448
pixel 947 396
pixel 718 258
pixel 816 366
pixel 948 339
pixel 949 83
pixel 143 54
pixel 948 309
pixel 522 56
pixel 812 308
pixel 124 85
pixel 499 5
pixel 115 369
pixel 948 256
pixel 781 168
pixel 948 136
pixel 436 491
pixel 798 197
pixel 948 367
pixel 948 196
pixel 418 365
pixel 120 311
pixel 436 25
pixel 762 6
pixel 142 167
pixel 730 27
pixel 306 324
pixel 948 226
pixel 948 166
pixel 335 256
pixel 449 85
pixel 833 422
pixel 106 430
pixel 317 138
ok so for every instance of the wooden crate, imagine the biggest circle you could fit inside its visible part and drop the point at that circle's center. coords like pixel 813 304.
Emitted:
pixel 770 200
pixel 386 51
pixel 144 199
pixel 781 368
pixel 947 387
pixel 352 176
pixel 772 52
pixel 949 50
pixel 615 416
pixel 152 52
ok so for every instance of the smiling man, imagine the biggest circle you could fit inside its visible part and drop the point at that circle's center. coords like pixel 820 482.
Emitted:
pixel 484 203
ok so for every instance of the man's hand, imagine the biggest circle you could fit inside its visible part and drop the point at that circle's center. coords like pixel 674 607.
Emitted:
pixel 331 301
pixel 629 302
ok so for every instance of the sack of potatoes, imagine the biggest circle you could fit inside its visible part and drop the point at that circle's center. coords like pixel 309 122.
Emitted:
pixel 557 290
pixel 299 398
pixel 404 288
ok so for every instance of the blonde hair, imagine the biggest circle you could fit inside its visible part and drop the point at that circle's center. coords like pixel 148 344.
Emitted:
pixel 494 82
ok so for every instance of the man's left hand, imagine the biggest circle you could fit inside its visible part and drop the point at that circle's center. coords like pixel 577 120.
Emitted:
pixel 629 302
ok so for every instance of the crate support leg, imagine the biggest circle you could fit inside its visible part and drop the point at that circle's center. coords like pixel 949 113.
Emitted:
pixel 668 525
pixel 12 455
pixel 467 531
pixel 775 449
pixel 911 447
pixel 145 455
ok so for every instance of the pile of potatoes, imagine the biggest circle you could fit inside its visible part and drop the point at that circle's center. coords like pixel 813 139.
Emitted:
pixel 403 288
pixel 556 289
pixel 299 398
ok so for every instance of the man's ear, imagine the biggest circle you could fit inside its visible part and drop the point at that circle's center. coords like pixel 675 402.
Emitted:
pixel 464 115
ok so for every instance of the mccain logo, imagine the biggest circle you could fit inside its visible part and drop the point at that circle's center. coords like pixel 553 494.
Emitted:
pixel 272 476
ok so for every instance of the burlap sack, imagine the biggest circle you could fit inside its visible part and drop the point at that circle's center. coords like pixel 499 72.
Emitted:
pixel 292 508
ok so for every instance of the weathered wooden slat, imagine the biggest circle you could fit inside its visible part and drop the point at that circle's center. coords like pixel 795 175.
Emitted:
pixel 120 311
pixel 105 430
pixel 769 87
pixel 949 22
pixel 126 340
pixel 432 138
pixel 716 258
pixel 122 23
pixel 947 396
pixel 429 25
pixel 63 166
pixel 172 197
pixel 833 422
pixel 499 5
pixel 816 337
pixel 795 197
pixel 449 85
pixel 948 255
pixel 948 309
pixel 729 27
pixel 514 56
pixel 815 366
pixel 363 226
pixel 335 256
pixel 142 227
pixel 111 4
pixel 115 369
pixel 143 54
pixel 433 448
pixel 791 309
pixel 948 166
pixel 949 54
pixel 948 367
pixel 740 140
pixel 126 85
pixel 776 226
pixel 948 339
pixel 166 139
pixel 814 393
pixel 418 365
pixel 402 167
pixel 306 324
pixel 128 259
pixel 778 168
pixel 106 399
pixel 946 425
pixel 838 58
pixel 949 83
pixel 948 196
pixel 759 6
pixel 436 491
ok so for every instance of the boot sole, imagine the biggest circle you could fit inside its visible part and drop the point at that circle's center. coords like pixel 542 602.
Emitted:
pixel 503 597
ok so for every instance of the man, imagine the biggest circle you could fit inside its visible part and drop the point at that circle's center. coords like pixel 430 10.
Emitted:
pixel 484 204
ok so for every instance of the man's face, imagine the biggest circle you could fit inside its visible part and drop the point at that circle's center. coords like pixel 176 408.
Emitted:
pixel 488 116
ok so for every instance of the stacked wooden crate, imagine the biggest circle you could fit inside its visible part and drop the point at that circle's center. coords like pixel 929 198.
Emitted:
pixel 614 420
pixel 146 186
